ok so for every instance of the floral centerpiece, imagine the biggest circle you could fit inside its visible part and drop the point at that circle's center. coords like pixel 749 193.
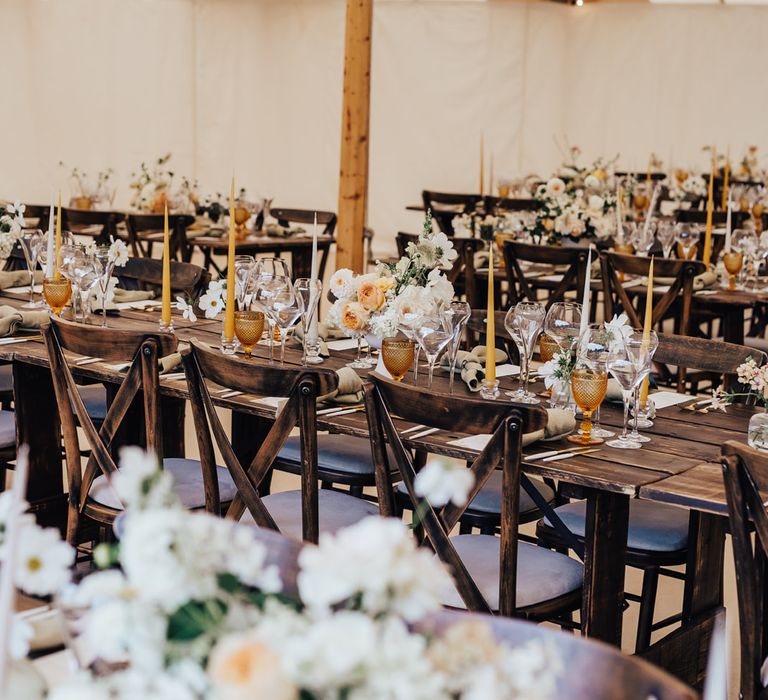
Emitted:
pixel 88 193
pixel 683 186
pixel 749 169
pixel 374 303
pixel 154 187
pixel 195 612
pixel 11 224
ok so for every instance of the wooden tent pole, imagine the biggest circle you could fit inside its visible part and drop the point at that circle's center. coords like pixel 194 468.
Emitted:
pixel 355 121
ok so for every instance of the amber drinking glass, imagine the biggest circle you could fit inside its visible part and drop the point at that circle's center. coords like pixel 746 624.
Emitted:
pixel 57 293
pixel 733 262
pixel 547 347
pixel 398 356
pixel 249 325
pixel 588 387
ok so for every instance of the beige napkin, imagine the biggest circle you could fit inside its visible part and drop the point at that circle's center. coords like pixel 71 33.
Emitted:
pixel 277 231
pixel 123 296
pixel 12 320
pixel 349 390
pixel 559 423
pixel 170 362
pixel 471 371
pixel 702 281
pixel 478 354
pixel 18 278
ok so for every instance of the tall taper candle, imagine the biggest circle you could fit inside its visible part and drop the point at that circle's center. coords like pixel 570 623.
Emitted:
pixel 726 177
pixel 490 327
pixel 50 244
pixel 229 313
pixel 482 164
pixel 586 295
pixel 7 587
pixel 728 226
pixel 56 271
pixel 166 298
pixel 491 189
pixel 647 323
pixel 710 207
pixel 619 229
pixel 312 329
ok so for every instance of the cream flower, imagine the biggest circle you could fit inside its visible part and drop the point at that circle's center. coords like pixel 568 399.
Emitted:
pixel 43 561
pixel 555 187
pixel 341 281
pixel 187 310
pixel 442 481
pixel 211 303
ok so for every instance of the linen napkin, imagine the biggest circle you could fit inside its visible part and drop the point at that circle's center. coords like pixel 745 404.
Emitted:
pixel 13 320
pixel 277 231
pixel 705 280
pixel 349 390
pixel 470 365
pixel 126 295
pixel 18 278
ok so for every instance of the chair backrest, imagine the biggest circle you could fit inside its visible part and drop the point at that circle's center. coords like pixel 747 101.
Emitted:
pixel 326 219
pixel 519 287
pixel 445 206
pixel 496 205
pixel 141 225
pixel 300 386
pixel 143 350
pixel 506 423
pixel 745 472
pixel 147 273
pixel 79 219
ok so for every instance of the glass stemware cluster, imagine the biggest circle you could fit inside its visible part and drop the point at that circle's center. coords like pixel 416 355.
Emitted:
pixel 524 323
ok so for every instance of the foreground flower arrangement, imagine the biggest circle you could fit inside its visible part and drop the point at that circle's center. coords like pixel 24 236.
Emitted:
pixel 376 302
pixel 195 613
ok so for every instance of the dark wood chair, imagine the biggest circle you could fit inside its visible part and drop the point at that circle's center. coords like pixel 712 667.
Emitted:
pixel 147 274
pixel 144 230
pixel 325 219
pixel 101 225
pixel 658 533
pixel 491 574
pixel 90 492
pixel 675 303
pixel 301 514
pixel 523 288
pixel 445 206
pixel 745 472
pixel 500 205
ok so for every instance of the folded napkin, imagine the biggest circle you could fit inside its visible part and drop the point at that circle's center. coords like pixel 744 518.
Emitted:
pixel 703 281
pixel 471 371
pixel 123 296
pixel 324 333
pixel 13 320
pixel 560 422
pixel 18 278
pixel 349 390
pixel 478 353
pixel 169 362
pixel 277 231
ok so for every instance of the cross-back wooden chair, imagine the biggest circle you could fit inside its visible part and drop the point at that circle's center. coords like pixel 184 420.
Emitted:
pixel 144 230
pixel 674 303
pixel 491 574
pixel 301 514
pixel 745 472
pixel 101 225
pixel 445 206
pixel 147 273
pixel 658 533
pixel 327 219
pixel 90 493
pixel 523 288
pixel 497 205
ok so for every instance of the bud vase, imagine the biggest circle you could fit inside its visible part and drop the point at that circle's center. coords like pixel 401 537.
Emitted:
pixel 757 433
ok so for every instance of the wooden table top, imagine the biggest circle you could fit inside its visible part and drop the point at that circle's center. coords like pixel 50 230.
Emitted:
pixel 682 442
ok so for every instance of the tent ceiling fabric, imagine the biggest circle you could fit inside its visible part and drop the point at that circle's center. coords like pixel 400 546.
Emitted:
pixel 255 86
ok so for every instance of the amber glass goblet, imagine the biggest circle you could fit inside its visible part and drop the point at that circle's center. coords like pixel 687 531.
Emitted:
pixel 547 347
pixel 588 387
pixel 733 262
pixel 57 292
pixel 398 356
pixel 249 325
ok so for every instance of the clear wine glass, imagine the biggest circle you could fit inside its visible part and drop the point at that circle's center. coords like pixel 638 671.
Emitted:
pixel 105 266
pixel 244 267
pixel 512 327
pixel 287 307
pixel 643 238
pixel 563 323
pixel 641 352
pixel 267 287
pixel 86 276
pixel 433 336
pixel 687 237
pixel 665 232
pixel 622 368
pixel 309 290
pixel 528 320
pixel 746 242
pixel 456 315
pixel 30 241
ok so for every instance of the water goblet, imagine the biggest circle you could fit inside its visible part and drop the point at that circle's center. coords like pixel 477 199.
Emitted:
pixel 30 242
pixel 733 262
pixel 249 326
pixel 397 355
pixel 433 336
pixel 588 386
pixel 409 324
pixel 687 238
pixel 548 347
pixel 563 323
pixel 593 350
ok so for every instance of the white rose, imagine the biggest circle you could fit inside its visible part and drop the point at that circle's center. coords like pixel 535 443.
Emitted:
pixel 555 187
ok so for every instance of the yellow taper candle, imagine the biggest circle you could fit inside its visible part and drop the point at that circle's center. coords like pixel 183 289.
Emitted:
pixel 726 178
pixel 56 270
pixel 490 328
pixel 482 164
pixel 647 323
pixel 166 311
pixel 710 206
pixel 229 313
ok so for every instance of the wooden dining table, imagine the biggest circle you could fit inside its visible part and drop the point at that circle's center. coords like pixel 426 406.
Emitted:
pixel 682 442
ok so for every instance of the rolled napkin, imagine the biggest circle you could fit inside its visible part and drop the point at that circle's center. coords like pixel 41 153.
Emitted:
pixel 123 296
pixel 18 278
pixel 703 281
pixel 170 362
pixel 13 320
pixel 559 423
pixel 479 355
pixel 471 371
pixel 277 231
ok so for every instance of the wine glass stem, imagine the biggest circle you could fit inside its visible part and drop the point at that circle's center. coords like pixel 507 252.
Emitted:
pixel 586 427
pixel 359 345
pixel 282 347
pixel 416 365
pixel 450 378
pixel 31 285
pixel 524 369
pixel 636 402
pixel 272 343
pixel 431 362
pixel 627 397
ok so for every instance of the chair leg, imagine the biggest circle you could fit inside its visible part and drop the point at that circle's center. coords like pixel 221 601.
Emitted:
pixel 465 528
pixel 647 608
pixel 356 491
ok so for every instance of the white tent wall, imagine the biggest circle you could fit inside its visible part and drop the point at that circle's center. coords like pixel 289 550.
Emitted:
pixel 254 87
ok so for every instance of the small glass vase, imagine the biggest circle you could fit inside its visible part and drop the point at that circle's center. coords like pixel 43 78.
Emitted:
pixel 757 432
pixel 561 396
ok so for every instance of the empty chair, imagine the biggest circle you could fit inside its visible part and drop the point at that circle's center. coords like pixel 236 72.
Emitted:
pixel 326 222
pixel 90 491
pixel 147 274
pixel 491 574
pixel 500 205
pixel 144 230
pixel 101 225
pixel 445 206
pixel 301 514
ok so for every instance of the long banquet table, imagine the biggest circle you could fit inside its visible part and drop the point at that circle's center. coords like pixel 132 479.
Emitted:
pixel 683 443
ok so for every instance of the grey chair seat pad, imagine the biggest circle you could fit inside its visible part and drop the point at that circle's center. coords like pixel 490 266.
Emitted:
pixel 342 454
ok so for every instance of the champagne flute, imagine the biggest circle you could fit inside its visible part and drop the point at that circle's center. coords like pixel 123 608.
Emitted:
pixel 30 241
pixel 456 315
pixel 244 267
pixel 641 350
pixel 623 370
pixel 309 290
pixel 105 266
pixel 528 319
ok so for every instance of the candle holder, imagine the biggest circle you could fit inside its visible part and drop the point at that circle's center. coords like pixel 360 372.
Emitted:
pixel 166 327
pixel 228 345
pixel 733 262
pixel 489 389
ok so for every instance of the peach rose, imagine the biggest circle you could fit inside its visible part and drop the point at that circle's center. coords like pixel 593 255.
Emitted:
pixel 385 283
pixel 370 296
pixel 354 317
pixel 244 668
